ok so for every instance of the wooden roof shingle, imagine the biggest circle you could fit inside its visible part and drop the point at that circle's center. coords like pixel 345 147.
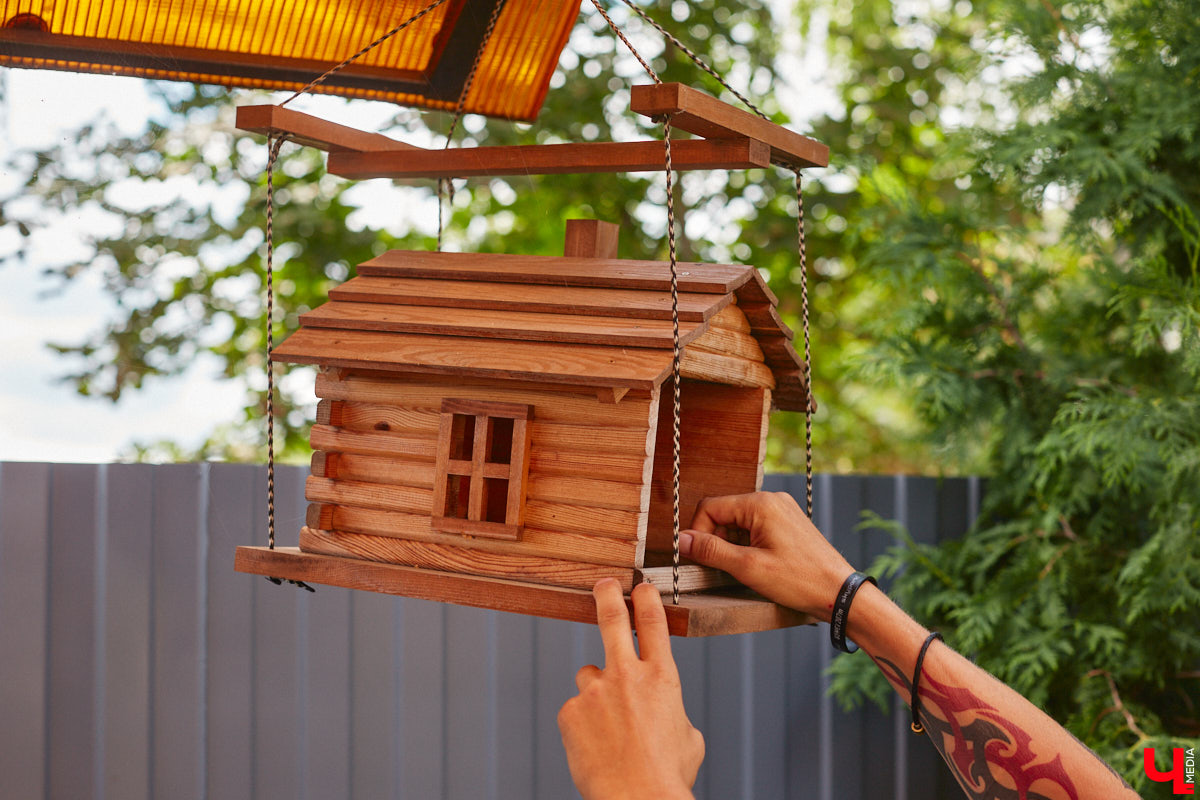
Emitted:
pixel 595 322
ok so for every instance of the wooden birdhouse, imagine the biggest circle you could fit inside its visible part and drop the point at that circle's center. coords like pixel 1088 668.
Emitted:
pixel 510 417
pixel 497 430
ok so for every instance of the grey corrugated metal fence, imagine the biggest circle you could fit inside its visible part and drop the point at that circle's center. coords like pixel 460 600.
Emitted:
pixel 135 663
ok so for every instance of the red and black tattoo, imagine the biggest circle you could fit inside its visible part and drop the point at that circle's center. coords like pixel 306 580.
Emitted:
pixel 989 756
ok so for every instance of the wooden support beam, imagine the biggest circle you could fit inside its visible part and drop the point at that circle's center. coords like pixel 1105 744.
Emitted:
pixel 313 131
pixel 704 115
pixel 551 159
pixel 696 614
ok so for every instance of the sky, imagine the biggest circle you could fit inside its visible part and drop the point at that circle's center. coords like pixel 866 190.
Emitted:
pixel 42 418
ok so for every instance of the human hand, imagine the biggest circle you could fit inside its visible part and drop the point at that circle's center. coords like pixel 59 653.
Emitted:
pixel 626 733
pixel 787 560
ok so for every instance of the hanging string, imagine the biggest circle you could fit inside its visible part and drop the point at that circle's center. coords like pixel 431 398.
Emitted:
pixel 699 62
pixel 273 145
pixel 321 79
pixel 808 393
pixel 621 35
pixel 446 184
pixel 675 359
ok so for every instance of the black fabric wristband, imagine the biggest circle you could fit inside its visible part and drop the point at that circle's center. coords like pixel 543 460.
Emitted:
pixel 915 701
pixel 841 610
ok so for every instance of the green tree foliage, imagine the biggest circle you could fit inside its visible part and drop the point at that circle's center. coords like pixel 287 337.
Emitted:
pixel 187 273
pixel 1050 332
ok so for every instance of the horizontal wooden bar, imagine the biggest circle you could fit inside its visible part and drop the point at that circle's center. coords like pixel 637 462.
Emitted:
pixel 496 324
pixel 578 436
pixel 563 545
pixel 576 364
pixel 313 131
pixel 490 408
pixel 540 298
pixel 696 615
pixel 477 528
pixel 704 115
pixel 692 578
pixel 571 405
pixel 449 558
pixel 552 159
pixel 603 273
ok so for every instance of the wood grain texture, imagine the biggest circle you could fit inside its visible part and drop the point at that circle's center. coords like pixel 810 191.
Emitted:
pixel 538 297
pixel 722 431
pixel 598 493
pixel 608 550
pixel 325 437
pixel 728 341
pixel 591 238
pixel 692 578
pixel 397 422
pixel 546 488
pixel 611 394
pixel 552 404
pixel 476 528
pixel 495 324
pixel 696 615
pixel 579 271
pixel 616 467
pixel 313 131
pixel 730 370
pixel 702 114
pixel 551 159
pixel 448 558
pixel 369 495
pixel 730 318
pixel 556 516
pixel 573 364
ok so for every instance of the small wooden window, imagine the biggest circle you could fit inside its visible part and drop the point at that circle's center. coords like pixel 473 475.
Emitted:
pixel 482 462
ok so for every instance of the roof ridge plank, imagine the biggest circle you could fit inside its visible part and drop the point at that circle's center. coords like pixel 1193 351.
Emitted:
pixel 575 300
pixel 499 324
pixel 615 273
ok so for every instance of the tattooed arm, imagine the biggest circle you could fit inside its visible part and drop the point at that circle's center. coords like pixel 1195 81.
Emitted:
pixel 996 743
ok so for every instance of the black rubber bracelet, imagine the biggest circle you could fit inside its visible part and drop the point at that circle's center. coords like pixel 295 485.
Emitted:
pixel 915 701
pixel 841 610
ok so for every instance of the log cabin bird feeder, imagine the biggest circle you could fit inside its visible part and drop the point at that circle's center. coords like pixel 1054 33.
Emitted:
pixel 498 431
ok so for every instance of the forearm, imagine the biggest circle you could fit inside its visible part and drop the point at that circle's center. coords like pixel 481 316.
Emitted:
pixel 993 739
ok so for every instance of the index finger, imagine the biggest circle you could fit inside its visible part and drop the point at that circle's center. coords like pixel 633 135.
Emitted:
pixel 732 509
pixel 654 640
pixel 613 619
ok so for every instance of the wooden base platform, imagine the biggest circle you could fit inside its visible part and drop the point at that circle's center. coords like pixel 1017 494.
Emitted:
pixel 707 614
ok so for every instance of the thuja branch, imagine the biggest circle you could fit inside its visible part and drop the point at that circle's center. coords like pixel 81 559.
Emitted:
pixel 1118 705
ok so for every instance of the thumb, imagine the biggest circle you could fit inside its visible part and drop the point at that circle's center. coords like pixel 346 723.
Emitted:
pixel 713 551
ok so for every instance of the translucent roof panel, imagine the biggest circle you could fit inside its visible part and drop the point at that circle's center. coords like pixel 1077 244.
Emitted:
pixel 284 44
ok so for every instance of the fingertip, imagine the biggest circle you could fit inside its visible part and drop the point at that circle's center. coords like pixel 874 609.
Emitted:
pixel 647 593
pixel 604 583
pixel 685 544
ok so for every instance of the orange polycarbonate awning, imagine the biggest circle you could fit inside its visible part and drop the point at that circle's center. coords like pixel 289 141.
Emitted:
pixel 284 44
